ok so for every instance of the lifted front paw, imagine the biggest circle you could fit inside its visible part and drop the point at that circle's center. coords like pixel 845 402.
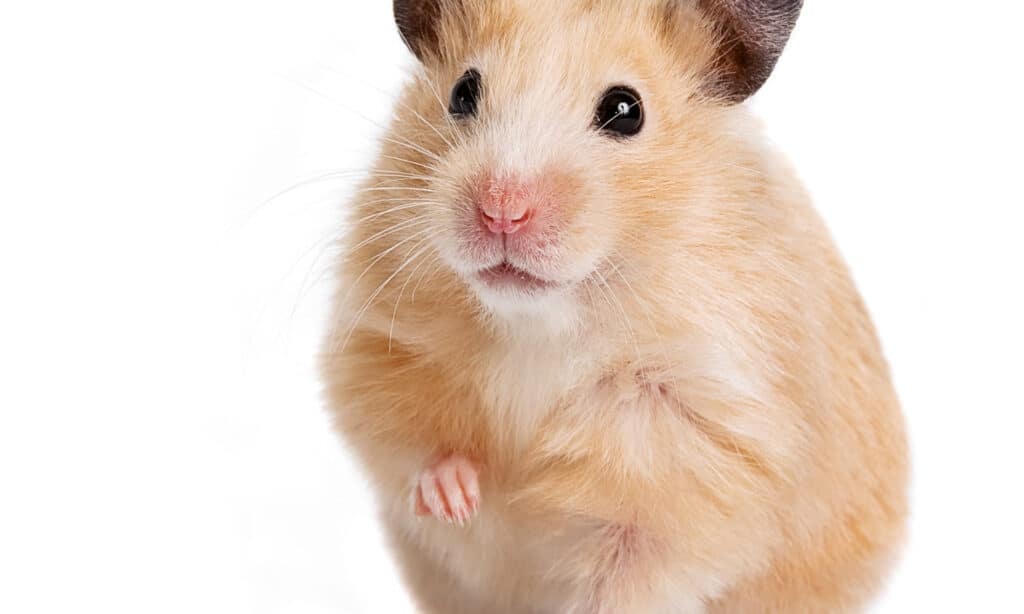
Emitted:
pixel 449 490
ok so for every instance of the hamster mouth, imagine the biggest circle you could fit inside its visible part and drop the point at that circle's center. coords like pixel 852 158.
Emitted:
pixel 508 276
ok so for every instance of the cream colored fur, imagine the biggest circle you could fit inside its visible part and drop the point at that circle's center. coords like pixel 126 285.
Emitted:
pixel 703 423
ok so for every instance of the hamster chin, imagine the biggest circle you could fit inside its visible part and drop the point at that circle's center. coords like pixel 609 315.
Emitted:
pixel 517 297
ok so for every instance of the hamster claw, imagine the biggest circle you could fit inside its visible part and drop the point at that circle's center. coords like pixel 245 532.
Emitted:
pixel 449 490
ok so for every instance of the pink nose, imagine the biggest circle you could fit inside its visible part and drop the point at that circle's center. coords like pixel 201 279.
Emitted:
pixel 504 206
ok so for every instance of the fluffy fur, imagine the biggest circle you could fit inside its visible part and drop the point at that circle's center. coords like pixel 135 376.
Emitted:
pixel 701 422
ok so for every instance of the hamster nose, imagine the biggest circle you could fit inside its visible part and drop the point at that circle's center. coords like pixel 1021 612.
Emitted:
pixel 500 222
pixel 504 206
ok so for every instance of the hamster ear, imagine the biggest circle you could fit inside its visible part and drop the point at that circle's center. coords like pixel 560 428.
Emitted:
pixel 751 37
pixel 419 21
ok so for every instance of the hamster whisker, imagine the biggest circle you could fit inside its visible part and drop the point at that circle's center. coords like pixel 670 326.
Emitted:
pixel 640 302
pixel 418 149
pixel 373 297
pixel 400 175
pixel 329 176
pixel 395 188
pixel 401 142
pixel 308 280
pixel 428 206
pixel 301 184
pixel 399 227
pixel 373 260
pixel 321 244
pixel 427 167
pixel 443 106
pixel 398 101
pixel 405 206
pixel 369 267
pixel 427 123
pixel 336 175
pixel 398 301
pixel 438 263
pixel 588 286
pixel 643 303
pixel 631 333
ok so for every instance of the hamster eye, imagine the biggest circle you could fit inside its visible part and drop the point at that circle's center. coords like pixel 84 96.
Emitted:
pixel 466 95
pixel 620 112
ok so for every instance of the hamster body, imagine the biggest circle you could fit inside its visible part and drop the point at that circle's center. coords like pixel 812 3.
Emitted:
pixel 593 345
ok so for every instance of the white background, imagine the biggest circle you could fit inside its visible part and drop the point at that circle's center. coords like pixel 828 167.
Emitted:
pixel 162 444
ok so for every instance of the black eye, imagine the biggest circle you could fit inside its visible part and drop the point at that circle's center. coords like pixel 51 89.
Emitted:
pixel 466 95
pixel 620 112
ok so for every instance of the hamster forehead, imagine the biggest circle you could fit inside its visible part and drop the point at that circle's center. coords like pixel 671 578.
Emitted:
pixel 544 67
pixel 547 87
pixel 540 56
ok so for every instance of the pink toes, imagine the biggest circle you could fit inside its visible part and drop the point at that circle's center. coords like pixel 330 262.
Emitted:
pixel 449 490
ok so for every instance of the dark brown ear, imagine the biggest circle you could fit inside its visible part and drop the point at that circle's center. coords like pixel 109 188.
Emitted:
pixel 418 21
pixel 752 35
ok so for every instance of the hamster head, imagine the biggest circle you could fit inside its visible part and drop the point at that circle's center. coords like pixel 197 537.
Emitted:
pixel 556 146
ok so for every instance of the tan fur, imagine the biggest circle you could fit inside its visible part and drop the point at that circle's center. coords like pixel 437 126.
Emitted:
pixel 705 425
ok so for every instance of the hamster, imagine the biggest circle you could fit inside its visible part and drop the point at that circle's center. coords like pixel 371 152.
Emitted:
pixel 591 343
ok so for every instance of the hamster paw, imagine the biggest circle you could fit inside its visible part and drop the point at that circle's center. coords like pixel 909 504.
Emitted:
pixel 449 490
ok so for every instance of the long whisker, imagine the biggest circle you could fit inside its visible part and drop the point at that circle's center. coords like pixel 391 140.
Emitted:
pixel 405 206
pixel 308 280
pixel 396 189
pixel 309 181
pixel 398 302
pixel 373 263
pixel 404 225
pixel 399 102
pixel 625 319
pixel 366 305
pixel 338 175
pixel 426 167
pixel 443 107
pixel 643 304
pixel 438 264
pixel 401 142
pixel 322 243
